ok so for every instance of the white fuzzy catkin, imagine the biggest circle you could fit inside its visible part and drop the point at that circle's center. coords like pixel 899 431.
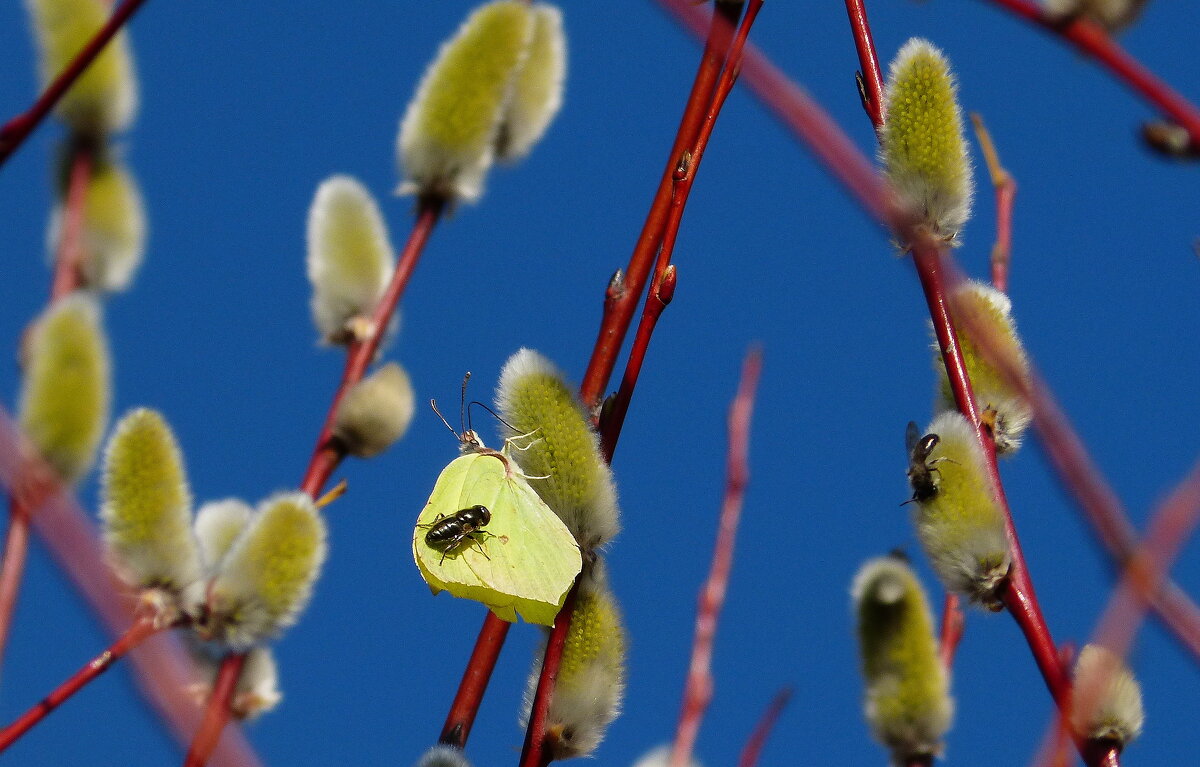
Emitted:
pixel 660 756
pixel 443 756
pixel 1113 15
pixel 448 135
pixel 145 506
pixel 350 259
pixel 218 524
pixel 1108 703
pixel 257 690
pixel 535 399
pixel 538 89
pixel 375 412
pixel 266 578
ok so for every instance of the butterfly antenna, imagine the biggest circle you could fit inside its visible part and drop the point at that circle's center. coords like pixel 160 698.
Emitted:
pixel 493 412
pixel 462 403
pixel 433 404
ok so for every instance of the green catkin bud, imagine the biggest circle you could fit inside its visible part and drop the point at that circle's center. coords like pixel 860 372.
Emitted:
pixel 350 259
pixel 538 89
pixel 104 98
pixel 114 226
pixel 1108 702
pixel 376 412
pixel 443 756
pixel 961 525
pixel 266 578
pixel 908 701
pixel 921 145
pixel 1113 15
pixel 146 505
pixel 218 524
pixel 448 135
pixel 1003 406
pixel 66 391
pixel 535 400
pixel 591 677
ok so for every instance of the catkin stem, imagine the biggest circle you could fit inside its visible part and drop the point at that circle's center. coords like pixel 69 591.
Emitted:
pixel 217 712
pixel 15 131
pixel 1006 190
pixel 68 262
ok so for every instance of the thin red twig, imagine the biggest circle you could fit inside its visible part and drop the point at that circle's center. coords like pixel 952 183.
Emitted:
pixel 1006 191
pixel 762 730
pixel 1091 39
pixel 699 687
pixel 15 131
pixel 870 71
pixel 16 545
pixel 534 752
pixel 218 711
pixel 951 631
pixel 141 630
pixel 475 680
pixel 618 310
pixel 328 453
pixel 68 262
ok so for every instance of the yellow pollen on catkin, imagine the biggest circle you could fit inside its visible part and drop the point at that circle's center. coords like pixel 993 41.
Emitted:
pixel 104 98
pixel 66 390
pixel 556 441
pixel 146 504
pixel 922 148
pixel 907 702
pixel 961 526
pixel 447 138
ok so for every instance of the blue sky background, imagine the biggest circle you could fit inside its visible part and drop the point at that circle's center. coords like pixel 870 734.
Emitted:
pixel 246 107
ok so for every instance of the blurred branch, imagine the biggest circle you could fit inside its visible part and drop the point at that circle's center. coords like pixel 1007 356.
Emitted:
pixel 217 714
pixel 1006 190
pixel 758 738
pixel 15 131
pixel 951 631
pixel 698 690
pixel 1091 39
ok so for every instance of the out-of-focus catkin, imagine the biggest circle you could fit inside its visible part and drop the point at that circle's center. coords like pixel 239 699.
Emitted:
pixel 65 393
pixel 921 145
pixel 960 523
pixel 1108 699
pixel 538 88
pixel 980 308
pixel 1113 15
pixel 908 704
pixel 146 505
pixel 375 412
pixel 104 98
pixel 350 259
pixel 558 443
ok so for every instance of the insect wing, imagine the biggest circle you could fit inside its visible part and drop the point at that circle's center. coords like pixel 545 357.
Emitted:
pixel 912 435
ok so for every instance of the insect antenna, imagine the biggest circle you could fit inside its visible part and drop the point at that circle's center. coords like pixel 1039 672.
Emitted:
pixel 462 403
pixel 433 404
pixel 493 412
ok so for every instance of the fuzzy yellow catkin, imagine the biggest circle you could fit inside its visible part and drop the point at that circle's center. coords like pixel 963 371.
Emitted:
pixel 113 236
pixel 921 146
pixel 447 137
pixel 146 505
pixel 555 440
pixel 104 98
pixel 961 525
pixel 1004 407
pixel 266 578
pixel 218 524
pixel 65 393
pixel 1113 15
pixel 375 412
pixel 1108 702
pixel 591 676
pixel 538 88
pixel 908 704
pixel 350 259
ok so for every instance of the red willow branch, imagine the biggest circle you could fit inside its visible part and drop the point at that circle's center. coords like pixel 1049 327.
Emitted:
pixel 870 76
pixel 1006 191
pixel 620 299
pixel 698 690
pixel 141 630
pixel 15 131
pixel 758 738
pixel 662 286
pixel 951 630
pixel 1090 39
pixel 327 454
pixel 618 311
